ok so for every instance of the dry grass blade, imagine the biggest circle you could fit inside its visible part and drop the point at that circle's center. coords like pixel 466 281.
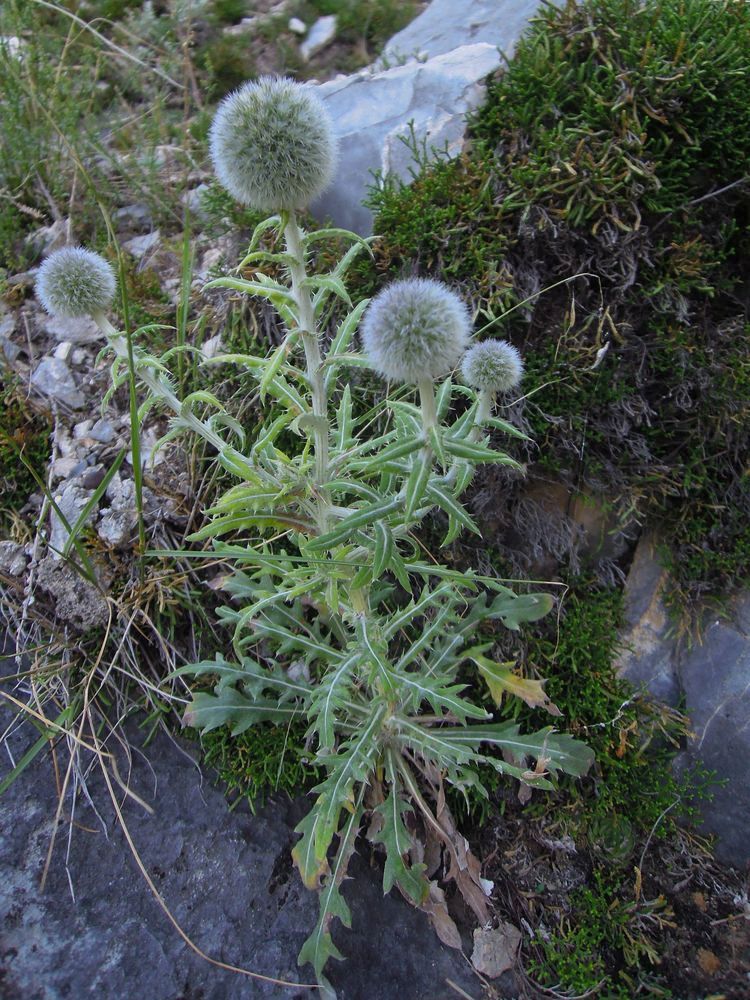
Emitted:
pixel 109 43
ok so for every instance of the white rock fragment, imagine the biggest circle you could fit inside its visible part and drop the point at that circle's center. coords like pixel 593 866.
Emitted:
pixel 13 558
pixel 139 246
pixel 53 378
pixel 81 430
pixel 80 330
pixel 297 26
pixel 210 348
pixel 242 28
pixel 12 45
pixel 495 949
pixel 63 350
pixel 321 34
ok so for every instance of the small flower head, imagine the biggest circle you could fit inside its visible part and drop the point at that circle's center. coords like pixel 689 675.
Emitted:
pixel 272 144
pixel 75 282
pixel 494 365
pixel 415 328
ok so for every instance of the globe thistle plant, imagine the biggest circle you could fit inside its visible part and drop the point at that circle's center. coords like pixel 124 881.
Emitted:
pixel 74 282
pixel 493 365
pixel 272 144
pixel 415 329
pixel 320 526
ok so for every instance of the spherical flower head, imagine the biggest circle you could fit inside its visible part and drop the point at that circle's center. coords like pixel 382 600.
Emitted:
pixel 415 329
pixel 494 365
pixel 74 282
pixel 272 144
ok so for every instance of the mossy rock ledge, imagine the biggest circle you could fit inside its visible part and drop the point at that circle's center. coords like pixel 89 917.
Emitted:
pixel 598 218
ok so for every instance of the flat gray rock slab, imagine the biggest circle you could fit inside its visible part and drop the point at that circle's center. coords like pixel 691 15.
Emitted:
pixel 710 678
pixel 446 24
pixel 226 876
pixel 373 112
pixel 715 677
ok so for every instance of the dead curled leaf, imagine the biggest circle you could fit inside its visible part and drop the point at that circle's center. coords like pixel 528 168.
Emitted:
pixel 436 909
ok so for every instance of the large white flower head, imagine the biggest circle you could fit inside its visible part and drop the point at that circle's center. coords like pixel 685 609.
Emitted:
pixel 414 329
pixel 74 282
pixel 494 365
pixel 272 144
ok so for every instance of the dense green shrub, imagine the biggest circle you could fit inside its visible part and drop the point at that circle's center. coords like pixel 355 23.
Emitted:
pixel 614 147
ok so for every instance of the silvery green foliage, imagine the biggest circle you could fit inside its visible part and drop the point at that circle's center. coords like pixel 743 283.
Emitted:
pixel 337 616
pixel 414 329
pixel 492 365
pixel 272 144
pixel 74 282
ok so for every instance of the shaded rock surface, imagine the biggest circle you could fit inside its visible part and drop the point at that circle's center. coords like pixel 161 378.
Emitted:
pixel 712 677
pixel 226 876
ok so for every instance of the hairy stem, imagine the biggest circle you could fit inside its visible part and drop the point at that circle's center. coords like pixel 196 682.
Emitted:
pixel 426 388
pixel 158 387
pixel 309 333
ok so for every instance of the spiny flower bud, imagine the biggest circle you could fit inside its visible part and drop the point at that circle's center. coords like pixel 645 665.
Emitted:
pixel 494 365
pixel 272 144
pixel 415 329
pixel 74 282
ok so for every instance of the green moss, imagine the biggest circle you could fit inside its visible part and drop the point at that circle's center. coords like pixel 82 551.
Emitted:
pixel 606 937
pixel 606 930
pixel 625 107
pixel 227 62
pixel 601 195
pixel 263 760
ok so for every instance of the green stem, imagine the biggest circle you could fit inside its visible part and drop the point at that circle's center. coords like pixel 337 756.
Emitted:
pixel 486 399
pixel 309 333
pixel 123 348
pixel 426 388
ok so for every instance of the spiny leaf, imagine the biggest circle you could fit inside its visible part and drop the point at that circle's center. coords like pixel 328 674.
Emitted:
pixel 233 709
pixel 319 947
pixel 397 841
pixel 512 610
pixel 561 751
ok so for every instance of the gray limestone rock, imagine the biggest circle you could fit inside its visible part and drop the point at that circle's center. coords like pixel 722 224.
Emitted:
pixel 711 677
pixel 13 558
pixel 78 603
pixel 372 113
pixel 118 521
pixel 70 501
pixel 227 876
pixel 136 216
pixel 78 330
pixel 647 658
pixel 53 378
pixel 446 24
pixel 140 246
pixel 715 676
